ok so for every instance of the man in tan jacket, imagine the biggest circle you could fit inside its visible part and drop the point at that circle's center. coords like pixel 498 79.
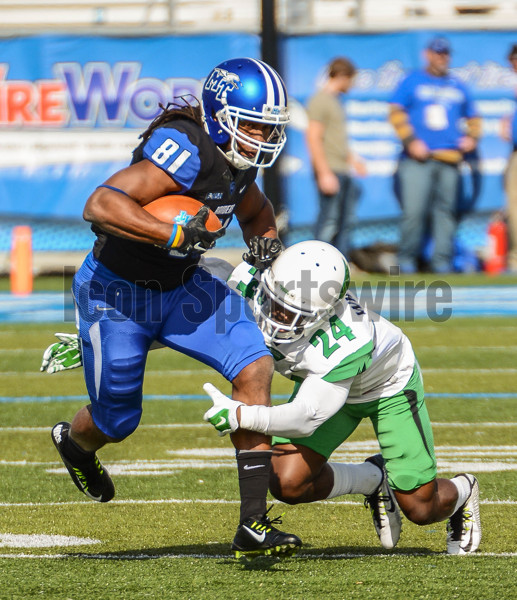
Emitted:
pixel 331 159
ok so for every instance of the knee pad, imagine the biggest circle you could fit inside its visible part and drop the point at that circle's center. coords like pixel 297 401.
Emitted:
pixel 119 404
pixel 122 396
pixel 125 376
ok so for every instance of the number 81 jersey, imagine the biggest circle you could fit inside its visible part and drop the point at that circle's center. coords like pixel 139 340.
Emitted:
pixel 354 342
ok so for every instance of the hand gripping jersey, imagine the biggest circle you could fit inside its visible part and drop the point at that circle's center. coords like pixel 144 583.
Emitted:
pixel 184 151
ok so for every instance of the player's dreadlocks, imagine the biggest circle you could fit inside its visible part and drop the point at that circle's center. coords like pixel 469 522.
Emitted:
pixel 187 109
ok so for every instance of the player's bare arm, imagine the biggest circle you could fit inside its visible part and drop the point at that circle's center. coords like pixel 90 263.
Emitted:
pixel 120 212
pixel 257 220
pixel 256 215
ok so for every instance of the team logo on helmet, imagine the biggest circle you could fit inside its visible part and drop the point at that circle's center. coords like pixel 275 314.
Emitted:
pixel 222 81
pixel 245 89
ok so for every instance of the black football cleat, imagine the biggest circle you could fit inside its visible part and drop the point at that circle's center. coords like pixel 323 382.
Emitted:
pixel 259 538
pixel 90 476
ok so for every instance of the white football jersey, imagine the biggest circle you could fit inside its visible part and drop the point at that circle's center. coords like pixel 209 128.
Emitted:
pixel 355 343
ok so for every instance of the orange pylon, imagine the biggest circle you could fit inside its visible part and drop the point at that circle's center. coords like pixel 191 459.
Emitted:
pixel 21 260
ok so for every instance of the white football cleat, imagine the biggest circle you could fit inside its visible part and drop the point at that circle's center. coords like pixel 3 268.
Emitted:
pixel 464 526
pixel 384 508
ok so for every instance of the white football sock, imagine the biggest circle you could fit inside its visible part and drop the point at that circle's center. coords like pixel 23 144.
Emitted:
pixel 355 479
pixel 463 486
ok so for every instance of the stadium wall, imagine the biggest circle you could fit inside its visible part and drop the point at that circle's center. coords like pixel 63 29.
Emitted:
pixel 72 107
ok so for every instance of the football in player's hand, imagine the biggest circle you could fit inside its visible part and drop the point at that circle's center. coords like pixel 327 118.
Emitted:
pixel 180 209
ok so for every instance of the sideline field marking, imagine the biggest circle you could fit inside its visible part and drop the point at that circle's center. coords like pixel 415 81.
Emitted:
pixel 159 470
pixel 510 347
pixel 302 556
pixel 468 370
pixel 473 424
pixel 349 449
pixel 37 540
pixel 130 501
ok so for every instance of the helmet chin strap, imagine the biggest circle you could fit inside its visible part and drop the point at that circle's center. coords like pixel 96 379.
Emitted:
pixel 235 159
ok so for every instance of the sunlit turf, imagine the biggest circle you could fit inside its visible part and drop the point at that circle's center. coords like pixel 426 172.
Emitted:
pixel 167 534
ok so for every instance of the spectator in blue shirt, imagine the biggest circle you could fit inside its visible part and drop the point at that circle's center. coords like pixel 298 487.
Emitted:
pixel 434 117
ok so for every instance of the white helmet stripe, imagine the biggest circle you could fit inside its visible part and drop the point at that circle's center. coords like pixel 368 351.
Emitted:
pixel 275 89
pixel 282 99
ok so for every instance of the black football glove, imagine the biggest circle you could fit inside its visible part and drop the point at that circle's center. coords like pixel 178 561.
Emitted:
pixel 263 251
pixel 196 235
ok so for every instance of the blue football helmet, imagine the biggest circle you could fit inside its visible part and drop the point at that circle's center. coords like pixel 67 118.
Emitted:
pixel 245 89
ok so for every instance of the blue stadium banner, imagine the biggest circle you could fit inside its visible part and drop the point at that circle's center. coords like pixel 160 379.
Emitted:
pixel 72 108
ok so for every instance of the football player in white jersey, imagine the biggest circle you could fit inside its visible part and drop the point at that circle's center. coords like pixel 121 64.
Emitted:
pixel 348 363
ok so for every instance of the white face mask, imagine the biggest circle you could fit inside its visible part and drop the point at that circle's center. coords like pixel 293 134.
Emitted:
pixel 266 152
pixel 301 288
pixel 279 322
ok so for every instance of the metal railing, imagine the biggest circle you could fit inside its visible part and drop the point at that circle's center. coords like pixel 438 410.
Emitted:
pixel 293 16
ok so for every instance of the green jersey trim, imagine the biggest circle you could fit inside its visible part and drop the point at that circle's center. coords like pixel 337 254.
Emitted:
pixel 352 365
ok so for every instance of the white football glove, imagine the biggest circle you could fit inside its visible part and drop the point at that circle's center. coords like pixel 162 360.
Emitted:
pixel 223 414
pixel 62 355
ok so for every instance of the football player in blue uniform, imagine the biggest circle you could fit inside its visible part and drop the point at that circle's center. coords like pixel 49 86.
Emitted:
pixel 141 283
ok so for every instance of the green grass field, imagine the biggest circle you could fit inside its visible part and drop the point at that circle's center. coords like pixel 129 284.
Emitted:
pixel 167 532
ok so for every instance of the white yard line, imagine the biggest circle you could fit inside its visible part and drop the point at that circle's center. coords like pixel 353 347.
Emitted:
pixel 490 327
pixel 36 540
pixel 302 556
pixel 480 424
pixel 465 348
pixel 130 501
pixel 469 370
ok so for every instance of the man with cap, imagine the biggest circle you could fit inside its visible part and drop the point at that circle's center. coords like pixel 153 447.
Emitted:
pixel 427 111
